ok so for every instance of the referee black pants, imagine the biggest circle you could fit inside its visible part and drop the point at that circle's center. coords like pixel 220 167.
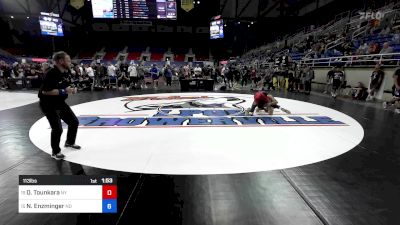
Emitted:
pixel 54 115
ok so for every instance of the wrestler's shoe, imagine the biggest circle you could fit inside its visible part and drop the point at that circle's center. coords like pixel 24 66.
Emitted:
pixel 248 113
pixel 58 156
pixel 74 146
pixel 286 111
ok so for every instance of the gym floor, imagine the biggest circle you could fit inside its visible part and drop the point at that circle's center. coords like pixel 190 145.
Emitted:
pixel 361 186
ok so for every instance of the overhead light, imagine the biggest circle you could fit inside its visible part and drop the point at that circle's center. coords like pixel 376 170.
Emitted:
pixel 239 22
pixel 248 25
pixel 194 2
pixel 12 17
pixel 198 2
pixel 224 25
pixel 252 22
pixel 27 17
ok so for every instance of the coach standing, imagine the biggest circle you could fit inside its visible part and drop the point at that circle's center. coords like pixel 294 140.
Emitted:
pixel 52 94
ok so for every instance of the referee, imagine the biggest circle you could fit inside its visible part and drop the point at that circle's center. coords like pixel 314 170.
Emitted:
pixel 52 94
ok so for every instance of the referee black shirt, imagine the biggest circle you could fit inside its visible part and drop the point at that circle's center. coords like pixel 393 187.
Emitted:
pixel 54 79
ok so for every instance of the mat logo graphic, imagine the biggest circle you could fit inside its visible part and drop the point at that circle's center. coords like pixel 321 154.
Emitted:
pixel 202 111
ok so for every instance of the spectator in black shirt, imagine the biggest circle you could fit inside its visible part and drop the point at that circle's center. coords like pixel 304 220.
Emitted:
pixel 329 77
pixel 52 94
pixel 245 76
pixel 396 93
pixel 375 82
pixel 360 92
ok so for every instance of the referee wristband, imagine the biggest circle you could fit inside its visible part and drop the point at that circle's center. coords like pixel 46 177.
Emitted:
pixel 62 92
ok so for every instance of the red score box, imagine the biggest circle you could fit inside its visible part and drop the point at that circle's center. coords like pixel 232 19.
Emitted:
pixel 109 191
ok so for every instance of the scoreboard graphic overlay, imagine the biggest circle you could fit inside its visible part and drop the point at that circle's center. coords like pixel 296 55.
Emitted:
pixel 67 194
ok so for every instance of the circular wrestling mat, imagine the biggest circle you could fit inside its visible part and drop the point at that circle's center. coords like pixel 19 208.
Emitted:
pixel 10 100
pixel 202 133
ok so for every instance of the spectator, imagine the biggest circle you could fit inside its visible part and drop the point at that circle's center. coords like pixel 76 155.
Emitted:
pixel 396 93
pixel 197 71
pixel 373 48
pixel 90 72
pixel 387 49
pixel 141 73
pixel 375 82
pixel 229 76
pixel 45 67
pixel 111 70
pixel 168 75
pixel 329 77
pixel 359 92
pixel 385 31
pixel 123 81
pixel 123 68
pixel 154 75
pixel 308 77
pixel 133 76
pixel 297 78
pixel 338 81
pixel 236 74
pixel 100 72
pixel 186 71
pixel 245 76
pixel 19 76
pixel 362 49
pixel 396 37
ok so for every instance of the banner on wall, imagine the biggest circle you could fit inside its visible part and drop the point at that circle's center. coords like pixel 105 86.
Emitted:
pixel 187 5
pixel 77 4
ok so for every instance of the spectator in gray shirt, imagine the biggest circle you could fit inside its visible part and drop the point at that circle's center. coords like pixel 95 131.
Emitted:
pixel 386 49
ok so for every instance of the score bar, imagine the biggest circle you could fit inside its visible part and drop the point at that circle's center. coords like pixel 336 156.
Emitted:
pixel 67 194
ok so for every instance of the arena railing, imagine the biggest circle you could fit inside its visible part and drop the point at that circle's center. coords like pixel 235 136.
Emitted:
pixel 391 59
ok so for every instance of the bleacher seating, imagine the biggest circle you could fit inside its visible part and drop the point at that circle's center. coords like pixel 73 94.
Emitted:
pixel 136 49
pixel 297 55
pixel 86 61
pixel 356 33
pixel 157 53
pixel 157 56
pixel 134 52
pixel 201 54
pixel 179 54
pixel 111 53
pixel 134 56
pixel 158 50
pixel 86 55
pixel 88 52
pixel 15 51
pixel 158 63
pixel 8 59
pixel 110 56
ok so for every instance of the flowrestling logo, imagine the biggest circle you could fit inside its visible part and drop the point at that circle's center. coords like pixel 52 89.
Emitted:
pixel 370 15
pixel 197 111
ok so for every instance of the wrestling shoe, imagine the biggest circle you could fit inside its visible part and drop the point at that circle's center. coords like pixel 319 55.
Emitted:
pixel 248 113
pixel 74 146
pixel 58 156
pixel 285 111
